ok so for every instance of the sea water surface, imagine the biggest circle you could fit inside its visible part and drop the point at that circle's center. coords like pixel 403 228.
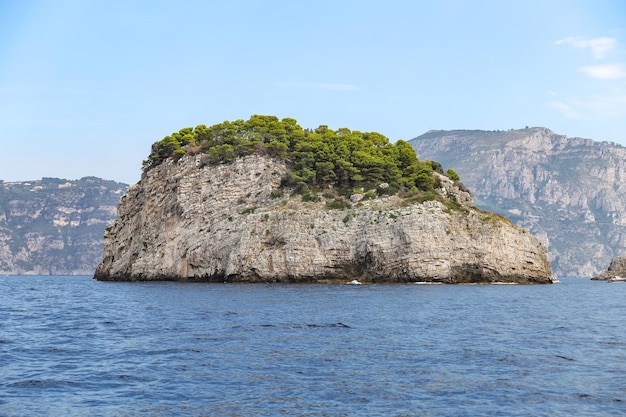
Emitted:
pixel 71 346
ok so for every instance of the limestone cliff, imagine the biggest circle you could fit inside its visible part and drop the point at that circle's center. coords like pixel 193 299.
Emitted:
pixel 570 192
pixel 233 222
pixel 54 226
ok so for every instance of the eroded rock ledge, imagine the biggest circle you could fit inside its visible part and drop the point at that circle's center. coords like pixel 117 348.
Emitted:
pixel 189 222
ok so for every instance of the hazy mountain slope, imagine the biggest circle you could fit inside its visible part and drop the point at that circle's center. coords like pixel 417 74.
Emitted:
pixel 54 226
pixel 570 192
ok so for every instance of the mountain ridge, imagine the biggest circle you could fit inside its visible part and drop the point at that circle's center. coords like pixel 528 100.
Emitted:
pixel 570 192
pixel 54 226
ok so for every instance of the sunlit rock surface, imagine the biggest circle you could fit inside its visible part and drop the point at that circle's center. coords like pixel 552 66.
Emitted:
pixel 189 221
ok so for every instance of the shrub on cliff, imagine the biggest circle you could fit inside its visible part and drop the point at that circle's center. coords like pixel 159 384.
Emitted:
pixel 345 159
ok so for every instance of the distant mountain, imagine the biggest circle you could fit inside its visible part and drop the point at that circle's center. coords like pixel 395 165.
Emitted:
pixel 570 192
pixel 54 226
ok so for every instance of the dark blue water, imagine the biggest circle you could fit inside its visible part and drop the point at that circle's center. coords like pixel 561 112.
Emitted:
pixel 71 346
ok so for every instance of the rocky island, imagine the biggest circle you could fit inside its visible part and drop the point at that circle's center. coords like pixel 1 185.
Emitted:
pixel 264 200
pixel 616 271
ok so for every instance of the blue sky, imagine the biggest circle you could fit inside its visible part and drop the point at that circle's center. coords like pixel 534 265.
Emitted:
pixel 87 86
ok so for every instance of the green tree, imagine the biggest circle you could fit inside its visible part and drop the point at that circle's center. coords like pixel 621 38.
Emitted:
pixel 317 158
pixel 450 173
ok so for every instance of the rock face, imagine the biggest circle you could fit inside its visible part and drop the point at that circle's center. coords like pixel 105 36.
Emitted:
pixel 570 192
pixel 54 226
pixel 187 221
pixel 617 269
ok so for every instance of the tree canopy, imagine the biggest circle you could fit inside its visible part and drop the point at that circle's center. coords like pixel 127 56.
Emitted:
pixel 321 157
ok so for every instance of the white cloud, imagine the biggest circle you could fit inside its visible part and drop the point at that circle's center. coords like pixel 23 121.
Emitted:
pixel 611 105
pixel 321 86
pixel 567 109
pixel 335 87
pixel 605 72
pixel 599 47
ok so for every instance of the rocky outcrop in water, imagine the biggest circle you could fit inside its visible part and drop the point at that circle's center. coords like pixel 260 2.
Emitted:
pixel 569 192
pixel 234 223
pixel 54 226
pixel 617 270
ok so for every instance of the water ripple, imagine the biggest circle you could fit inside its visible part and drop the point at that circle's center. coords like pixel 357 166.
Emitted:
pixel 76 347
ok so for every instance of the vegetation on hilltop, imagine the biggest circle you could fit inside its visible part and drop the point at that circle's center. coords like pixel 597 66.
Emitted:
pixel 344 159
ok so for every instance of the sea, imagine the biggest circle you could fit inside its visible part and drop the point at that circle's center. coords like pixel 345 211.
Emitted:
pixel 72 346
